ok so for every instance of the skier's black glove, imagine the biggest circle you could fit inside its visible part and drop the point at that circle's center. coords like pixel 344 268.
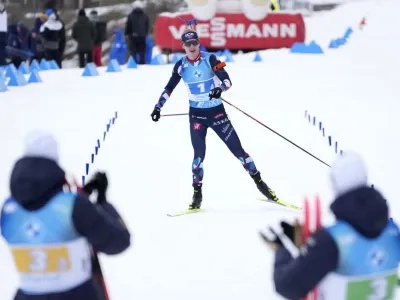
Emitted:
pixel 215 93
pixel 274 235
pixel 98 183
pixel 155 115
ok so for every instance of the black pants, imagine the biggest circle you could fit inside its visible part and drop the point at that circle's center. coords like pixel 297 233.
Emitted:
pixel 17 61
pixel 39 56
pixel 215 118
pixel 88 290
pixel 138 46
pixel 52 55
pixel 85 57
pixel 3 54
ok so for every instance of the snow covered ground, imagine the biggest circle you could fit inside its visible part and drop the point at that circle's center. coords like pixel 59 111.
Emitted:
pixel 214 255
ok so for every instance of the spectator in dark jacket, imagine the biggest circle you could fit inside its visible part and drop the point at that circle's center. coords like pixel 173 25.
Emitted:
pixel 63 40
pixel 101 36
pixel 136 31
pixel 23 36
pixel 36 44
pixel 84 32
pixel 51 232
pixel 50 33
pixel 14 45
pixel 3 34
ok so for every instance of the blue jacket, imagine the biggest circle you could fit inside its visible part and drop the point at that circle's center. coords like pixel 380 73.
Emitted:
pixel 13 40
pixel 364 209
pixel 24 36
pixel 34 181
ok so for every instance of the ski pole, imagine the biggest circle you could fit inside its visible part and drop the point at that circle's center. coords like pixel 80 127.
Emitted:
pixel 172 115
pixel 97 271
pixel 276 132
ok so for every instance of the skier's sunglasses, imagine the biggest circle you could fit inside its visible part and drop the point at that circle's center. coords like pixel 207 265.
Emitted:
pixel 191 42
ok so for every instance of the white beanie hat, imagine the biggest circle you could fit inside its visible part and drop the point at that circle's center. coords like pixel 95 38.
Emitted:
pixel 348 172
pixel 41 144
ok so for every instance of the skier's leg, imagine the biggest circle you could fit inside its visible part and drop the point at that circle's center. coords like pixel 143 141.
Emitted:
pixel 198 132
pixel 224 129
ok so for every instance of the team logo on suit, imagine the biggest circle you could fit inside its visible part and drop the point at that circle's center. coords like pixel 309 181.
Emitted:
pixel 32 228
pixel 196 126
pixel 197 74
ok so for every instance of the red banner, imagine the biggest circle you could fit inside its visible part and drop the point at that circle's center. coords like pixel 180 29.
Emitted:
pixel 233 31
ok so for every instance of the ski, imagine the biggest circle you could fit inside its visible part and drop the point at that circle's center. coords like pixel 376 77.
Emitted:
pixel 185 212
pixel 280 202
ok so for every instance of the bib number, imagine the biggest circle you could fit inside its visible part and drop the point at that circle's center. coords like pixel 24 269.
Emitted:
pixel 201 87
pixel 374 289
pixel 42 260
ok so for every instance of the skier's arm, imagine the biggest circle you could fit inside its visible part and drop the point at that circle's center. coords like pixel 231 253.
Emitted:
pixel 101 225
pixel 171 85
pixel 295 278
pixel 220 72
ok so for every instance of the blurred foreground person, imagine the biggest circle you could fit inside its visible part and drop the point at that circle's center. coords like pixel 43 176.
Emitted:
pixel 356 258
pixel 51 232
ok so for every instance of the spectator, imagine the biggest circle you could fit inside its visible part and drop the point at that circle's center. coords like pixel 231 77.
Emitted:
pixel 101 36
pixel 14 45
pixel 3 34
pixel 36 43
pixel 50 33
pixel 84 33
pixel 136 31
pixel 23 36
pixel 63 40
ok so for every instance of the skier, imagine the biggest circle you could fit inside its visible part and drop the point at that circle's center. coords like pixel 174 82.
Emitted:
pixel 51 232
pixel 355 258
pixel 205 78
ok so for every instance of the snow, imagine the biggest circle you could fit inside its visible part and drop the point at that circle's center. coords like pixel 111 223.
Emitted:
pixel 217 254
pixel 327 25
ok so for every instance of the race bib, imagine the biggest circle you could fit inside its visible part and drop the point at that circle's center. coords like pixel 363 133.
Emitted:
pixel 203 87
pixel 374 289
pixel 42 260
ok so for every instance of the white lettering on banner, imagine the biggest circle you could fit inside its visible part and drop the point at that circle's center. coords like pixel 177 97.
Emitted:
pixel 235 30
pixel 253 31
pixel 218 31
pixel 270 30
pixel 288 30
pixel 203 30
pixel 218 34
pixel 175 32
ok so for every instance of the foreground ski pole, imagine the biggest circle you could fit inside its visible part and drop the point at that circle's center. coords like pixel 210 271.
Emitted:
pixel 310 225
pixel 276 133
pixel 97 271
pixel 172 115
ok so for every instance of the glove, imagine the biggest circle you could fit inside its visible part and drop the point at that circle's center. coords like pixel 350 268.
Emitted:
pixel 285 234
pixel 155 115
pixel 215 93
pixel 98 183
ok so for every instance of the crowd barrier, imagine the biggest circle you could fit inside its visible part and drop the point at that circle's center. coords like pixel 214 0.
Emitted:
pixel 24 75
